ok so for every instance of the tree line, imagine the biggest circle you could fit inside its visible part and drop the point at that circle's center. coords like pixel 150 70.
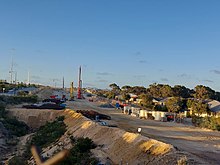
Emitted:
pixel 163 90
pixel 178 97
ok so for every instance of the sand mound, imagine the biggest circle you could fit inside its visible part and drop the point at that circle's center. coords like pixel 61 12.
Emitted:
pixel 118 145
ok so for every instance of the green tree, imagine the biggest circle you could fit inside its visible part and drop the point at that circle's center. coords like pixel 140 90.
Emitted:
pixel 198 106
pixel 166 91
pixel 154 90
pixel 217 96
pixel 160 90
pixel 126 88
pixel 203 92
pixel 174 104
pixel 110 95
pixel 146 100
pixel 181 91
pixel 125 96
pixel 114 87
pixel 138 90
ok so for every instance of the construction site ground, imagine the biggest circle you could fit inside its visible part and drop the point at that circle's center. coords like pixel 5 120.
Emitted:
pixel 202 143
pixel 201 146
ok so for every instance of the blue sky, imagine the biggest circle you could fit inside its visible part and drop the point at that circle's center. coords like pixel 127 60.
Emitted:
pixel 129 42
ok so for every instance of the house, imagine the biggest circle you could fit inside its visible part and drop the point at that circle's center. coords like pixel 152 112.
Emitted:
pixel 214 107
pixel 133 97
pixel 162 102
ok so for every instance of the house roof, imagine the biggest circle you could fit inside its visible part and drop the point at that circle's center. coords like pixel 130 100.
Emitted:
pixel 133 95
pixel 214 106
pixel 156 99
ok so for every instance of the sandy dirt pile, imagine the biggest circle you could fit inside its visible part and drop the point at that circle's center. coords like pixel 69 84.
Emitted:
pixel 117 145
pixel 44 92
pixel 34 118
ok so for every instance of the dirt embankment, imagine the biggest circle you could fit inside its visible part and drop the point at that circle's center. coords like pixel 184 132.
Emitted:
pixel 34 118
pixel 115 144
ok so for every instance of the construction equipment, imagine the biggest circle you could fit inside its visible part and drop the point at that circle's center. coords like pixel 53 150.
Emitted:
pixel 71 92
pixel 79 95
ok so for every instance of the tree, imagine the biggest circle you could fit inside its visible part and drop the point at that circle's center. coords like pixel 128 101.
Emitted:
pixel 160 90
pixel 125 96
pixel 217 96
pixel 198 106
pixel 126 88
pixel 110 95
pixel 203 92
pixel 154 90
pixel 174 104
pixel 181 91
pixel 166 91
pixel 138 90
pixel 146 100
pixel 114 87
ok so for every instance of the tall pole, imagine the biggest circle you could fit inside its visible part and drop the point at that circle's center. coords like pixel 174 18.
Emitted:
pixel 79 95
pixel 71 91
pixel 11 71
pixel 28 78
pixel 15 77
pixel 63 83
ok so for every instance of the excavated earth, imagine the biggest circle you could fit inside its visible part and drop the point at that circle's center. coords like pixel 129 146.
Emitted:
pixel 123 145
pixel 114 145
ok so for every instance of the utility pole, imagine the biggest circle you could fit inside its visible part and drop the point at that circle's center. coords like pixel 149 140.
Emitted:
pixel 79 95
pixel 15 78
pixel 63 83
pixel 28 80
pixel 11 71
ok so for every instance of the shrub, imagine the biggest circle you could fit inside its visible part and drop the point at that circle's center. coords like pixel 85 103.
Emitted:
pixel 18 99
pixel 80 153
pixel 15 127
pixel 50 132
pixel 16 160
pixel 3 112
pixel 45 135
pixel 207 122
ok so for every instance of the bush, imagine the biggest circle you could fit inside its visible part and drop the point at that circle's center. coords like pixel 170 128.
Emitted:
pixel 16 160
pixel 80 153
pixel 15 127
pixel 3 112
pixel 207 122
pixel 18 99
pixel 84 144
pixel 48 133
pixel 45 135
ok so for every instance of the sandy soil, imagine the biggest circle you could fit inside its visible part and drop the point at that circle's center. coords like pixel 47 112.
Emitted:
pixel 199 145
pixel 203 144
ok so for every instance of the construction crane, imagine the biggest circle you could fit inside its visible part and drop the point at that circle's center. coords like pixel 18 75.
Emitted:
pixel 79 95
pixel 71 92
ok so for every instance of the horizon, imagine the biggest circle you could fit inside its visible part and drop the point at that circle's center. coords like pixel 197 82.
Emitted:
pixel 122 42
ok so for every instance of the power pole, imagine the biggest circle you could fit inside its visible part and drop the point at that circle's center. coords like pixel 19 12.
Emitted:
pixel 15 78
pixel 11 71
pixel 63 83
pixel 79 95
pixel 28 80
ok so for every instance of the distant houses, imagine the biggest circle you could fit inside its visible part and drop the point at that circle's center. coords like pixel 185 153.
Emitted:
pixel 214 107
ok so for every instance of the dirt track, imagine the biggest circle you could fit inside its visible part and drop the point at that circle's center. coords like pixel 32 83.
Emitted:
pixel 204 144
